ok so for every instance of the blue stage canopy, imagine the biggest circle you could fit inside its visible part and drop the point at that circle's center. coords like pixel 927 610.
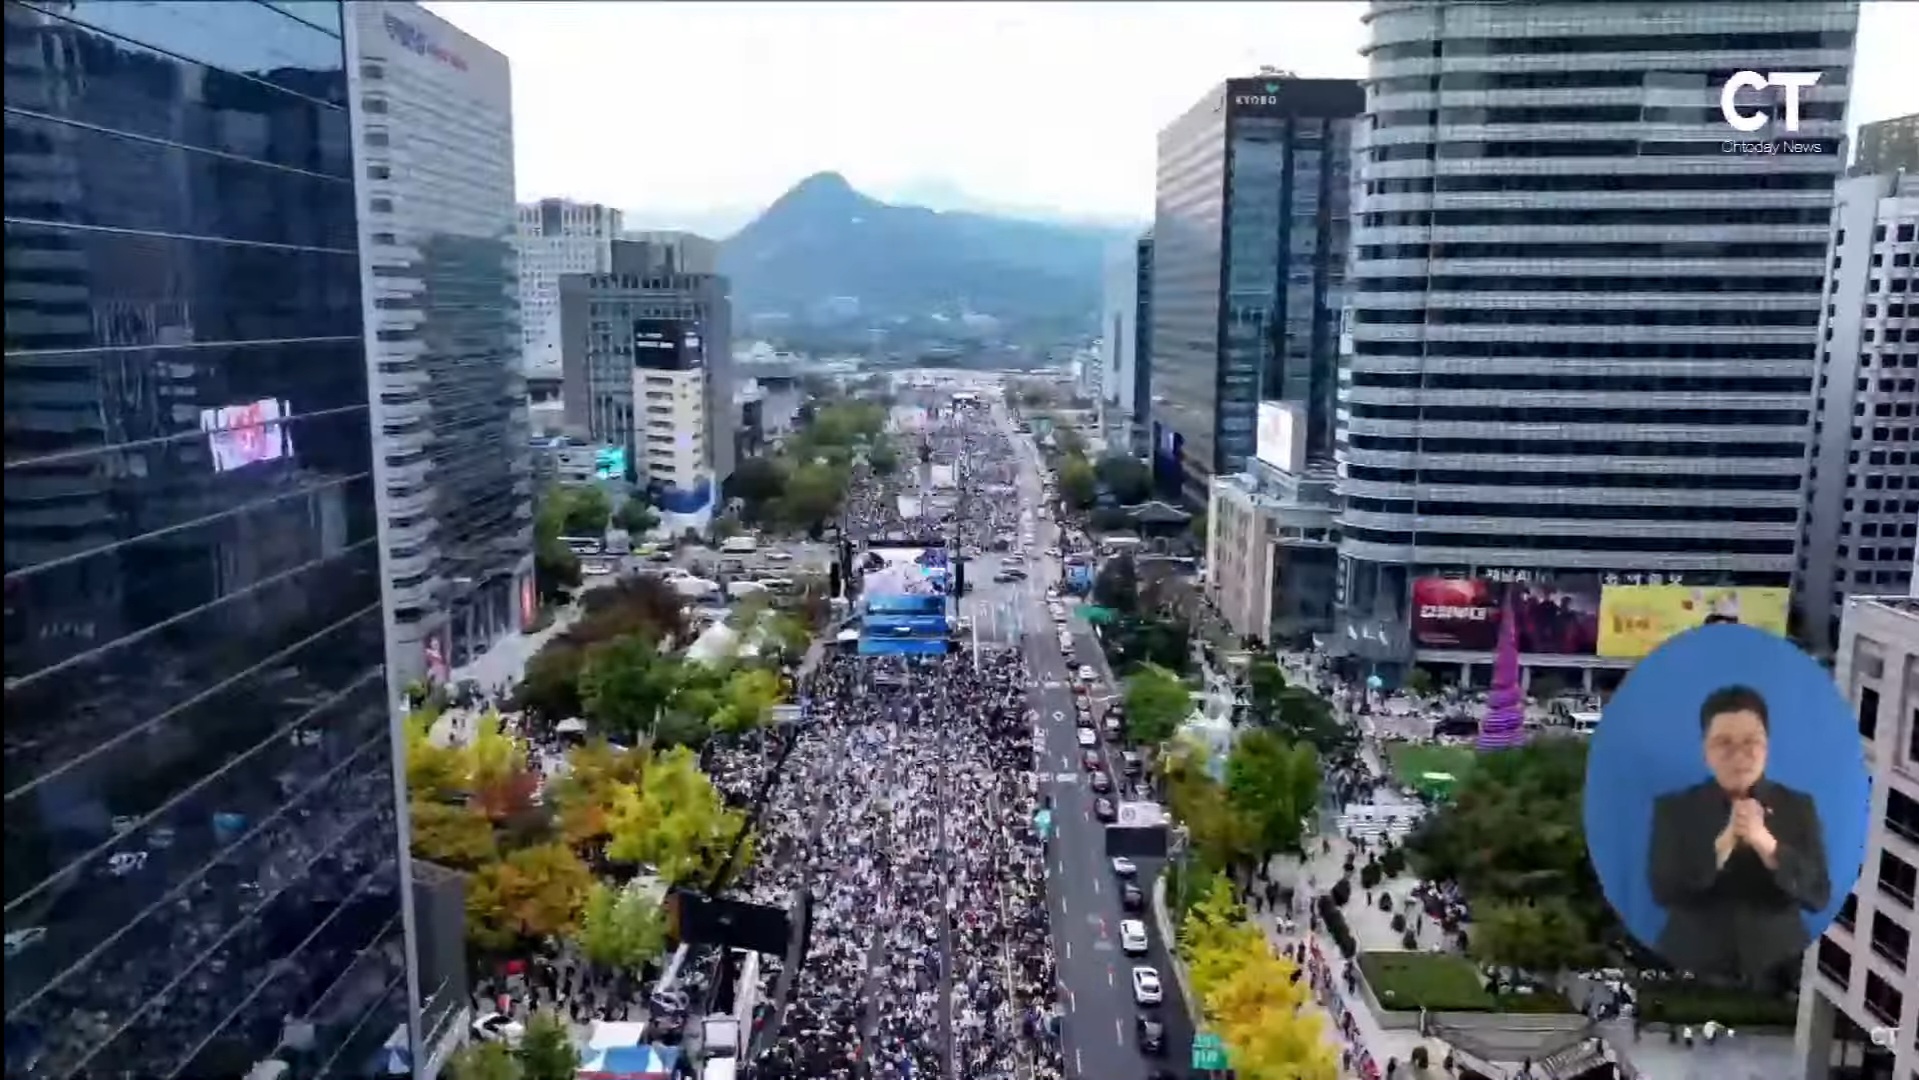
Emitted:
pixel 871 646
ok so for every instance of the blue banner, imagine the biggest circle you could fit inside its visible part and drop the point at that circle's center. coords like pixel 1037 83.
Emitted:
pixel 902 646
pixel 886 625
pixel 905 604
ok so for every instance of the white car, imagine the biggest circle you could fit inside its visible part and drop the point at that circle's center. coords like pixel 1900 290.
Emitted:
pixel 1086 674
pixel 1059 615
pixel 1088 738
pixel 494 1027
pixel 777 557
pixel 1146 989
pixel 1125 867
pixel 1132 937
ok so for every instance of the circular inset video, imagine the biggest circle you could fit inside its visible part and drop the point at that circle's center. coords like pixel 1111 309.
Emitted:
pixel 1727 801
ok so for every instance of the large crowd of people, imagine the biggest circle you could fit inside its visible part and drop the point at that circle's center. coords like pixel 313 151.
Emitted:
pixel 906 808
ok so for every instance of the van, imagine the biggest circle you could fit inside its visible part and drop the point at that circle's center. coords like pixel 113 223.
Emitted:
pixel 739 545
pixel 1585 723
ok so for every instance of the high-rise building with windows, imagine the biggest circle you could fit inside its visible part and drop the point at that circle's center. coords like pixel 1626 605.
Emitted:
pixel 1858 1005
pixel 558 236
pixel 1887 146
pixel 1585 311
pixel 435 138
pixel 203 857
pixel 1249 264
pixel 645 349
pixel 1862 491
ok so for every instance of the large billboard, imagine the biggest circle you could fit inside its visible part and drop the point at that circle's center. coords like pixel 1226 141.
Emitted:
pixel 666 344
pixel 1282 435
pixel 903 571
pixel 1556 618
pixel 1635 619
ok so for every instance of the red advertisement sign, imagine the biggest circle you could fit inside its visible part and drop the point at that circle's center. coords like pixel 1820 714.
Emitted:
pixel 1454 613
pixel 1557 618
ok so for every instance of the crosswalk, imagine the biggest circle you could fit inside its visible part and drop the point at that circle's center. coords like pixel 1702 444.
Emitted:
pixel 1373 828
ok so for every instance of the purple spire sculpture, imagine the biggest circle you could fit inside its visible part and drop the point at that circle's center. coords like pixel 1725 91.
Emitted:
pixel 1504 724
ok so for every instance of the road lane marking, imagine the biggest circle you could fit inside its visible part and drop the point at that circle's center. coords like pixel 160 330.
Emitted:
pixel 1109 975
pixel 1072 1000
pixel 1119 1033
pixel 1062 906
pixel 1095 884
pixel 1077 1067
pixel 1066 778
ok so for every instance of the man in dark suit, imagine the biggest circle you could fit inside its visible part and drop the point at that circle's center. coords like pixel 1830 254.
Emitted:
pixel 1736 859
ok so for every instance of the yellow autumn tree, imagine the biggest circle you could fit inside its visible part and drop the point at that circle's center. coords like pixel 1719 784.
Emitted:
pixel 1249 994
pixel 673 820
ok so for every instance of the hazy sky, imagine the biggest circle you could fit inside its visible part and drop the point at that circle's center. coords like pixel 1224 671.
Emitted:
pixel 685 108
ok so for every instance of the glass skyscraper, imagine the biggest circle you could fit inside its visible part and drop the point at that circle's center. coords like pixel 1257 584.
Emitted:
pixel 201 842
pixel 1250 243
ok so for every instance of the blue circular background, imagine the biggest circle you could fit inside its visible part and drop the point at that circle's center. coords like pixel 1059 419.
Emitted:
pixel 1649 744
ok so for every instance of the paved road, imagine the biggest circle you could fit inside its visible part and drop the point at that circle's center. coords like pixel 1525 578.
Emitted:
pixel 1098 1029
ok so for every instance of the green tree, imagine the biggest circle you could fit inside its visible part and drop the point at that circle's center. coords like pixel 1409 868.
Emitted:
pixel 1077 484
pixel 586 511
pixel 756 480
pixel 1514 833
pixel 883 458
pixel 484 1061
pixel 674 820
pixel 1542 934
pixel 1265 682
pixel 636 517
pixel 1157 702
pixel 1126 477
pixel 551 688
pixel 625 685
pixel 1276 784
pixel 1117 586
pixel 747 699
pixel 621 928
pixel 813 493
pixel 1305 717
pixel 547 1051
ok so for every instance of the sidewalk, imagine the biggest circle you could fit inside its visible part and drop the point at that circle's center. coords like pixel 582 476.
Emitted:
pixel 1372 931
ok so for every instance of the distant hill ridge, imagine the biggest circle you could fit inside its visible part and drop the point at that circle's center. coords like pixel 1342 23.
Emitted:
pixel 824 239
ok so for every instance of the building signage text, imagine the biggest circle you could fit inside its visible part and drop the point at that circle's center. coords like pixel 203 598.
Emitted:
pixel 415 40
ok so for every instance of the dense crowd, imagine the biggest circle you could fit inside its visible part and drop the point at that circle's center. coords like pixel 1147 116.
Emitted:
pixel 908 804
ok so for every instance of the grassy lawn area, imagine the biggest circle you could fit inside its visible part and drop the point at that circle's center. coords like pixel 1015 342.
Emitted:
pixel 1442 982
pixel 1409 760
pixel 1696 1003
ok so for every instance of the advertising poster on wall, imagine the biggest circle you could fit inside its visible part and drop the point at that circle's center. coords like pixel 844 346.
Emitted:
pixel 1281 435
pixel 1636 619
pixel 1556 618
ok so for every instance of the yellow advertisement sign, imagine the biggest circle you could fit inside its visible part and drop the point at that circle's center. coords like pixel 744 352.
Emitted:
pixel 1636 619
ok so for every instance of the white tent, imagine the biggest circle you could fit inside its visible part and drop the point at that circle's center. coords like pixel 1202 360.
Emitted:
pixel 718 642
pixel 611 1034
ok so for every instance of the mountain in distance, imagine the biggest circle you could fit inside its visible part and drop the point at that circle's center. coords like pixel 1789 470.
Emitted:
pixel 945 196
pixel 823 239
pixel 714 223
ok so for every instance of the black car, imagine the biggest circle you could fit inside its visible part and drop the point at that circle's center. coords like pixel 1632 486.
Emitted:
pixel 1104 809
pixel 1130 898
pixel 1152 1035
pixel 1101 782
pixel 1003 577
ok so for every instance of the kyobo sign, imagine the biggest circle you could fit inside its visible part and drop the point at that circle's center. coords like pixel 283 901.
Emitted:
pixel 416 41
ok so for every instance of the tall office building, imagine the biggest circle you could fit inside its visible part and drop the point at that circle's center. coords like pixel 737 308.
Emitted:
pixel 1887 146
pixel 1862 497
pixel 642 348
pixel 1585 310
pixel 558 236
pixel 1249 264
pixel 1118 343
pixel 1858 1006
pixel 439 274
pixel 203 853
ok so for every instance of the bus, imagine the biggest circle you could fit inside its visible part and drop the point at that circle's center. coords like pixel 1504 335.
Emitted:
pixel 584 545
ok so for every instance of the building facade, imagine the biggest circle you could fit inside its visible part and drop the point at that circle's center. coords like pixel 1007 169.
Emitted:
pixel 1250 235
pixel 1272 551
pixel 440 280
pixel 555 237
pixel 1887 146
pixel 1858 1006
pixel 1584 321
pixel 205 868
pixel 1862 493
pixel 602 317
pixel 1119 343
